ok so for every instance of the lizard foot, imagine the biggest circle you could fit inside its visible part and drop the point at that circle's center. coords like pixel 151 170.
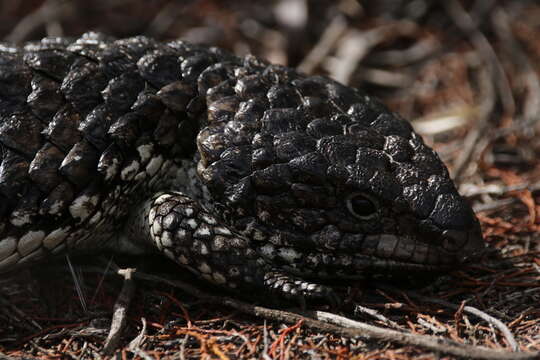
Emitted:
pixel 297 289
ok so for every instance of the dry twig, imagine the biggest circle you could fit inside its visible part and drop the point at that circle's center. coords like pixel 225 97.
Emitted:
pixel 327 322
pixel 121 307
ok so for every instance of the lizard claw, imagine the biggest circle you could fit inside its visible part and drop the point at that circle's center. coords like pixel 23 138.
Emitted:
pixel 300 290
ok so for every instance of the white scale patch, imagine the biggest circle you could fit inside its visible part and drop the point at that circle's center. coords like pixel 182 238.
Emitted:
pixel 204 268
pixel 156 228
pixel 111 170
pixel 259 236
pixel 203 232
pixel 94 219
pixel 83 206
pixel 166 239
pixel 140 176
pixel 154 165
pixel 145 152
pixel 210 220
pixel 151 215
pixel 204 249
pixel 238 243
pixel 289 254
pixel 219 243
pixel 268 251
pixel 181 233
pixel 219 278
pixel 129 171
pixel 20 218
pixel 55 238
pixel 162 199
pixel 30 241
pixel 219 230
pixel 192 223
pixel 55 207
pixel 7 247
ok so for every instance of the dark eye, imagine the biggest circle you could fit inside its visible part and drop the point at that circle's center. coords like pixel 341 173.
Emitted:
pixel 361 206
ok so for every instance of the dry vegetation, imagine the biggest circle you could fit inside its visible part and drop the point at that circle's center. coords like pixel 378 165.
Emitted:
pixel 465 72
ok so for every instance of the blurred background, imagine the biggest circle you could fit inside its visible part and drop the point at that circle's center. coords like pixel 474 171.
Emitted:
pixel 449 66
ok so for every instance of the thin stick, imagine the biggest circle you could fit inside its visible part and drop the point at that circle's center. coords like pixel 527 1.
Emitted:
pixel 332 33
pixel 120 311
pixel 342 326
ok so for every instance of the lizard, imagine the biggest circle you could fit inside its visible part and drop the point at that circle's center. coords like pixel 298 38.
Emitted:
pixel 251 175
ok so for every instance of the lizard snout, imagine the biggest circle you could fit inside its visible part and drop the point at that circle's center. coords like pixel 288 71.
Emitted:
pixel 468 243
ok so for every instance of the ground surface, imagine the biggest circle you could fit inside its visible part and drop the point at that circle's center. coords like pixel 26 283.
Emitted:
pixel 468 78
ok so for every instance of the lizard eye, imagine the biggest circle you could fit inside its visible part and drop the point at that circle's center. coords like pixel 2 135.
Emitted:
pixel 361 206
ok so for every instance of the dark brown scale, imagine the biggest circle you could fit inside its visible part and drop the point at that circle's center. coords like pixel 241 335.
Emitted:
pixel 159 69
pixel 193 66
pixel 165 132
pixel 177 95
pixel 278 121
pixel 58 199
pixel 283 96
pixel 22 133
pixel 147 109
pixel 27 206
pixel 63 130
pixel 15 77
pixel 45 98
pixel 292 145
pixel 54 63
pixel 83 85
pixel 13 173
pixel 96 125
pixel 310 168
pixel 44 168
pixel 249 87
pixel 223 109
pixel 79 164
pixel 121 92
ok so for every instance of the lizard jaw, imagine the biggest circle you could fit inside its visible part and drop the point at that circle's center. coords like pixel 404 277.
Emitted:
pixel 383 252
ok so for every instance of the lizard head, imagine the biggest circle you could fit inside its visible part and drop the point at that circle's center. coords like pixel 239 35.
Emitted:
pixel 334 186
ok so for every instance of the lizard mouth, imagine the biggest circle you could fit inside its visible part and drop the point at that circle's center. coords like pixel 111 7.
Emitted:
pixel 385 253
pixel 448 248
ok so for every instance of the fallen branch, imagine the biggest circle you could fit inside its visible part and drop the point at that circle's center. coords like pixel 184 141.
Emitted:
pixel 342 326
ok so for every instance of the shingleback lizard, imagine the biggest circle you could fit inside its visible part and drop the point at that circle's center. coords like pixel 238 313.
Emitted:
pixel 250 175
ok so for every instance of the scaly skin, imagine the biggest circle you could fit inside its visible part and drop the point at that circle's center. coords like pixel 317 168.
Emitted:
pixel 250 175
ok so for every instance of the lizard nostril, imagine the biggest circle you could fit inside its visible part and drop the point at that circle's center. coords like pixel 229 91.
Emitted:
pixel 454 240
